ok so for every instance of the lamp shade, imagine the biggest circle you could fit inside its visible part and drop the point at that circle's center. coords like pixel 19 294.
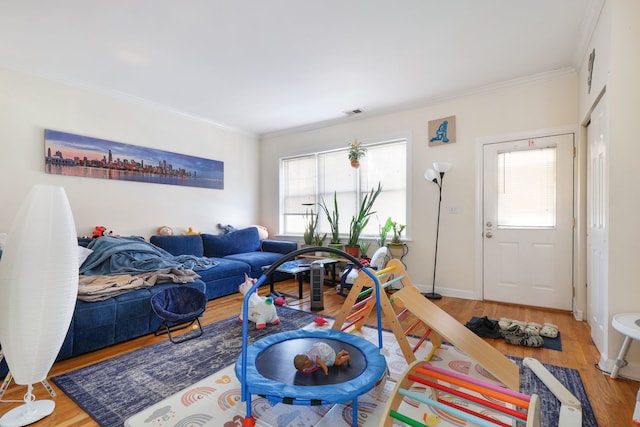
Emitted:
pixel 430 175
pixel 442 166
pixel 38 283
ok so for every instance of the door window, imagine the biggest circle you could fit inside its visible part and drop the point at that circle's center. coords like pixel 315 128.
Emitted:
pixel 527 188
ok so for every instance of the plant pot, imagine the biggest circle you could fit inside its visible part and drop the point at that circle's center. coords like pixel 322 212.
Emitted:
pixel 338 246
pixel 354 251
pixel 398 250
pixel 355 163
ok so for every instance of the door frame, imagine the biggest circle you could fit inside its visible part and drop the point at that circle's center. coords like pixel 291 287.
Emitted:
pixel 478 214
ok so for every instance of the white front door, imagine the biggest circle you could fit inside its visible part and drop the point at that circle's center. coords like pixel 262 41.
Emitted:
pixel 597 227
pixel 528 221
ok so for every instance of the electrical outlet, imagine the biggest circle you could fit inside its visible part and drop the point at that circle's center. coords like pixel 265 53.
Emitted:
pixel 453 209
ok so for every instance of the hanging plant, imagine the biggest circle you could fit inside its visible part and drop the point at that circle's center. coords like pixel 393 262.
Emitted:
pixel 356 150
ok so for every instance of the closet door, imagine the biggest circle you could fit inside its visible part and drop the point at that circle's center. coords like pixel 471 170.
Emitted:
pixel 597 224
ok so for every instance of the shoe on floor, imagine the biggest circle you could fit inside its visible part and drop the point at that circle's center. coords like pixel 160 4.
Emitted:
pixel 549 330
pixel 533 328
pixel 526 339
pixel 504 323
pixel 516 328
pixel 514 332
pixel 514 335
pixel 531 340
pixel 484 327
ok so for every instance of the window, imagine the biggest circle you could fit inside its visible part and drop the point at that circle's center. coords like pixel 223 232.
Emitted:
pixel 526 188
pixel 310 178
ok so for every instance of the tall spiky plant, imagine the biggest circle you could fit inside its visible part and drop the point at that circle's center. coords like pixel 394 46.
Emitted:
pixel 360 221
pixel 332 217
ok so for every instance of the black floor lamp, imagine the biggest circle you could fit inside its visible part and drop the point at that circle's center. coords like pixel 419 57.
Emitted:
pixel 432 175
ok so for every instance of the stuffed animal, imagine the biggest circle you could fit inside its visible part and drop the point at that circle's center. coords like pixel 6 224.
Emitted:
pixel 100 231
pixel 191 231
pixel 261 309
pixel 165 230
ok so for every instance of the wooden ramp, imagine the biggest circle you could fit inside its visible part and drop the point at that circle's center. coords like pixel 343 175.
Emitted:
pixel 447 327
pixel 361 301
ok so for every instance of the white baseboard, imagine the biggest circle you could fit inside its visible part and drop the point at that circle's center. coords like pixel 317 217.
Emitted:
pixel 447 292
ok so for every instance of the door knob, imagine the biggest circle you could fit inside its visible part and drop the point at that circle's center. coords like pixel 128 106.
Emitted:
pixel 488 234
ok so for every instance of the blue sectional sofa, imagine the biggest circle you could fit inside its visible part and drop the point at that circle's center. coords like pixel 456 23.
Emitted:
pixel 236 253
pixel 96 325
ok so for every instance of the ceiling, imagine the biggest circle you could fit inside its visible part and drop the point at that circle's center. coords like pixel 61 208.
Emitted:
pixel 267 66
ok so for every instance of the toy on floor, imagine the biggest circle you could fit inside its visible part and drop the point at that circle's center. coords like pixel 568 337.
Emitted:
pixel 278 298
pixel 320 321
pixel 320 356
pixel 476 401
pixel 261 309
pixel 570 406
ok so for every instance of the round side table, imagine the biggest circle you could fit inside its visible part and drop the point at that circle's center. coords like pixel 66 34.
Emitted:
pixel 628 324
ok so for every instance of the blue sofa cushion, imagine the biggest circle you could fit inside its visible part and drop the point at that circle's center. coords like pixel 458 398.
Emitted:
pixel 256 260
pixel 278 246
pixel 224 268
pixel 180 245
pixel 236 242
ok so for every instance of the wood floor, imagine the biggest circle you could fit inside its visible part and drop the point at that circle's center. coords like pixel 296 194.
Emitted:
pixel 613 401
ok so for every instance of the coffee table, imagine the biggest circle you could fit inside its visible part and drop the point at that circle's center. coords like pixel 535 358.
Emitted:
pixel 297 268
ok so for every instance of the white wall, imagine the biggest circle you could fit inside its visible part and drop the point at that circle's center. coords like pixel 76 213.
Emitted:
pixel 544 102
pixel 28 105
pixel 617 67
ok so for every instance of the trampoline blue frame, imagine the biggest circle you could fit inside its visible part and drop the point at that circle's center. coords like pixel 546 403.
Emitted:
pixel 246 370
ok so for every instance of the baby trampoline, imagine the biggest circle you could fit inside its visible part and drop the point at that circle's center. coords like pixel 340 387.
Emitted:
pixel 266 367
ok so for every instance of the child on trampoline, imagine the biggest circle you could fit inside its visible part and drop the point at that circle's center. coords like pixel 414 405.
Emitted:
pixel 320 355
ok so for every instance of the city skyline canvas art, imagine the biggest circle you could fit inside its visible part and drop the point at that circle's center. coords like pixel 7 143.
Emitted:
pixel 77 155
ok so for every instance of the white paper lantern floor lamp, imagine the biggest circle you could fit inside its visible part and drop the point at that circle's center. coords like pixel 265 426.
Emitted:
pixel 38 291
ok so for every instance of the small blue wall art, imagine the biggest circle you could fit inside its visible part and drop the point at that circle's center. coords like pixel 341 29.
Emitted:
pixel 442 131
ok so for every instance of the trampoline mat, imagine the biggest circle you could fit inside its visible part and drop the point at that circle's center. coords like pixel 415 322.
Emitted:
pixel 276 363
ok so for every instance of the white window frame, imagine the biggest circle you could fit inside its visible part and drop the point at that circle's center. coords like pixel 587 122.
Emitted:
pixel 297 210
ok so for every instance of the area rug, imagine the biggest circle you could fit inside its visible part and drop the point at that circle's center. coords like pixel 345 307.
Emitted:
pixel 113 390
pixel 172 385
pixel 549 343
pixel 215 401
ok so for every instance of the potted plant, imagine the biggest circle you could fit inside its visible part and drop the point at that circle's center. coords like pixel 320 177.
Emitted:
pixel 360 221
pixel 311 222
pixel 384 231
pixel 318 240
pixel 356 150
pixel 333 217
pixel 364 249
pixel 397 247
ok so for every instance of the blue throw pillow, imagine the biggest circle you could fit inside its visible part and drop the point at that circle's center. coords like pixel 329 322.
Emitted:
pixel 179 245
pixel 236 242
